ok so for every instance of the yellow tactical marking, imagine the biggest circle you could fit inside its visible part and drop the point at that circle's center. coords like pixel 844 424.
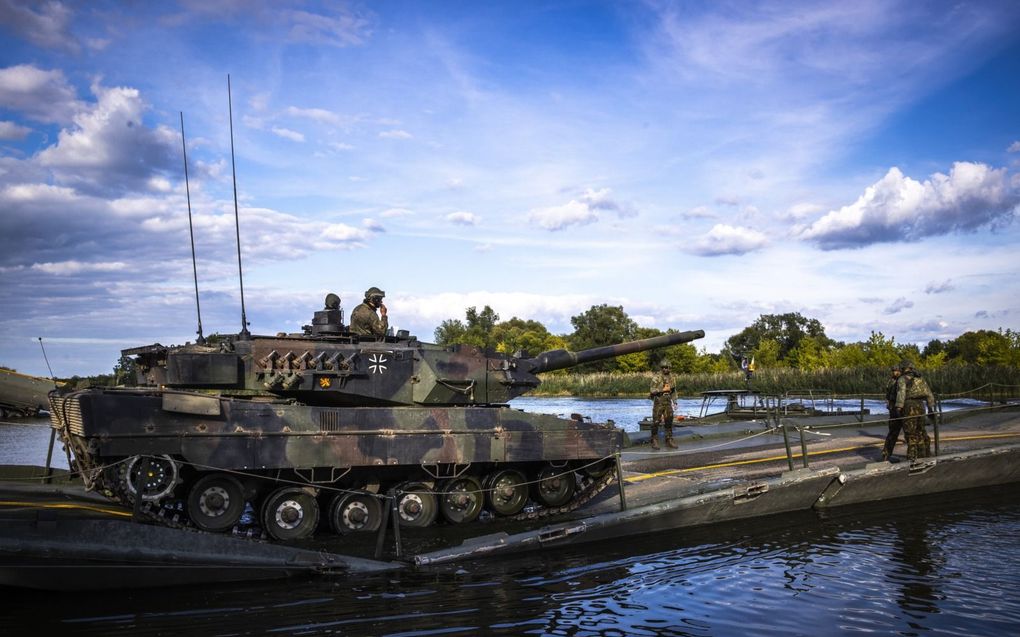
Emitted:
pixel 64 505
pixel 325 382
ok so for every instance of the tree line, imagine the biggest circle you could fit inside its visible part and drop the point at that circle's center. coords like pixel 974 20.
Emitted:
pixel 788 340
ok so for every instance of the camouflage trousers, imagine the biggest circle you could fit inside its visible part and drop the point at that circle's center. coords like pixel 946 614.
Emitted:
pixel 895 426
pixel 918 442
pixel 662 413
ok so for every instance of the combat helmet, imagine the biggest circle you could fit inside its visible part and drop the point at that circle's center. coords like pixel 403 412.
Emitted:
pixel 906 364
pixel 373 292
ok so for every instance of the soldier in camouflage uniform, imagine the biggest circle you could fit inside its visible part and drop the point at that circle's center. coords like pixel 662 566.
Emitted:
pixel 895 422
pixel 364 321
pixel 912 397
pixel 663 395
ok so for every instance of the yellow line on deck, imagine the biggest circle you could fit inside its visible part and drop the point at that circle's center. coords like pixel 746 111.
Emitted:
pixel 669 472
pixel 64 505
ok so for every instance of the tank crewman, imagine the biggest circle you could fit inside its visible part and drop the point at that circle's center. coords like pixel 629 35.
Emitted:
pixel 663 395
pixel 895 422
pixel 913 396
pixel 364 321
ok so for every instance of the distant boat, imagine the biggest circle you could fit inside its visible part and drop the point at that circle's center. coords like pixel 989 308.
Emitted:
pixel 721 405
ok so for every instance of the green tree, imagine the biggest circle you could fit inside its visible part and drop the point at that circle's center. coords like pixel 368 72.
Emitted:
pixel 785 329
pixel 848 356
pixel 524 337
pixel 881 351
pixel 601 325
pixel 450 332
pixel 984 347
pixel 476 329
pixel 810 353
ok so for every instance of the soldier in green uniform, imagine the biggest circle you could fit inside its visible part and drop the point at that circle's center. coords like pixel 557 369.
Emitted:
pixel 913 399
pixel 364 321
pixel 895 422
pixel 663 395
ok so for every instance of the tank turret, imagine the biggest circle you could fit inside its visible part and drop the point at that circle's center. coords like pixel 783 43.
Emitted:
pixel 332 367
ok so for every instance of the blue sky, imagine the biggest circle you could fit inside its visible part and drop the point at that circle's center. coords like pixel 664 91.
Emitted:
pixel 699 164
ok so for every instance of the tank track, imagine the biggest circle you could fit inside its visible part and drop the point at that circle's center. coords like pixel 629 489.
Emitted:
pixel 582 497
pixel 170 512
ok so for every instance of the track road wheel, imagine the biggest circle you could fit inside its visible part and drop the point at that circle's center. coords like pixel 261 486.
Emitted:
pixel 289 513
pixel 461 499
pixel 355 512
pixel 507 491
pixel 554 486
pixel 416 504
pixel 157 483
pixel 216 502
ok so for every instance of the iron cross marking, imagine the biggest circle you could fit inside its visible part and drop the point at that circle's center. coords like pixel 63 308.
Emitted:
pixel 376 363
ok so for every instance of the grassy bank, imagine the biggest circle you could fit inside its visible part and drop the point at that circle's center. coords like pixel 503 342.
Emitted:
pixel 946 381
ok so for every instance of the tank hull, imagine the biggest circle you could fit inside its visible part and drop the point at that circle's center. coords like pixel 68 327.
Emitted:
pixel 205 449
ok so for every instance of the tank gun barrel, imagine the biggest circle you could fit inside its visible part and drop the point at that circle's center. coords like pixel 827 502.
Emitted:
pixel 561 358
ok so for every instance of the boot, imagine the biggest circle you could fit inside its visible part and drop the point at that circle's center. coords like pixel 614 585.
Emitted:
pixel 670 443
pixel 655 436
pixel 655 443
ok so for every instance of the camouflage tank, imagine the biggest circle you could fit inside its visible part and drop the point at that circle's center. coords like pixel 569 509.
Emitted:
pixel 325 421
pixel 23 395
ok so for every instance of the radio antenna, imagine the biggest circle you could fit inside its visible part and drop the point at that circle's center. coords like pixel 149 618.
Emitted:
pixel 191 231
pixel 47 359
pixel 237 221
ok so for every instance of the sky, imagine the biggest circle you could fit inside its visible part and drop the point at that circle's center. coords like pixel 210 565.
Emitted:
pixel 698 163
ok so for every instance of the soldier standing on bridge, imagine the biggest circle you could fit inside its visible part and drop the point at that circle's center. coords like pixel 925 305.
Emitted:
pixel 912 397
pixel 895 422
pixel 663 395
pixel 364 321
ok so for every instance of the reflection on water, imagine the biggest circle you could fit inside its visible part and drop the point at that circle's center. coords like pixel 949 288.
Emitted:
pixel 940 566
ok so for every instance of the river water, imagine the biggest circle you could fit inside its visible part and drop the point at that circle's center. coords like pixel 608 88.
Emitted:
pixel 947 565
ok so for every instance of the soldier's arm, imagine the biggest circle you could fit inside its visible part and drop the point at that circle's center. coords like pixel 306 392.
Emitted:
pixel 901 393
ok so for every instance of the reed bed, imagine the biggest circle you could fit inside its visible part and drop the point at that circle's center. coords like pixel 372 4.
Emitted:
pixel 971 381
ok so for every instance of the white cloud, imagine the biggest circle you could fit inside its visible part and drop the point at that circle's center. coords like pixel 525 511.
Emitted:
pixel 581 211
pixel 109 148
pixel 1014 147
pixel 898 305
pixel 395 212
pixel 800 211
pixel 699 212
pixel 13 132
pixel 898 208
pixel 559 217
pixel 48 27
pixel 462 218
pixel 286 133
pixel 320 115
pixel 372 225
pixel 77 267
pixel 938 288
pixel 343 26
pixel 44 96
pixel 725 239
pixel 395 134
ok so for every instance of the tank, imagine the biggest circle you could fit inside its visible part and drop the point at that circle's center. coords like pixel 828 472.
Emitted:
pixel 320 429
pixel 23 395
